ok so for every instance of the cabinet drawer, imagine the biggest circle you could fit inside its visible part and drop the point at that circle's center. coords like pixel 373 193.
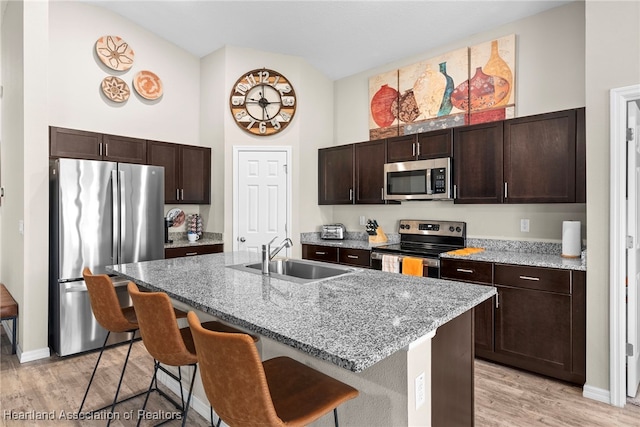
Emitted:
pixel 538 278
pixel 192 250
pixel 467 271
pixel 320 253
pixel 357 257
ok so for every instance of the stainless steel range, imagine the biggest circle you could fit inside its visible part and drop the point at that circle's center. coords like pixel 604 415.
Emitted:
pixel 424 239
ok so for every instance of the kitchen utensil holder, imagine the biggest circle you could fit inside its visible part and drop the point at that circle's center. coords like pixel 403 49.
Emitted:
pixel 380 237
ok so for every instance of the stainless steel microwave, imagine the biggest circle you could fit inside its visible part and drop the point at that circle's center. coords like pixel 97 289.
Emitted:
pixel 418 180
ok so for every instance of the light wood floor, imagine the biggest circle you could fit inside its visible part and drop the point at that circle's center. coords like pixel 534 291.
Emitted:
pixel 504 396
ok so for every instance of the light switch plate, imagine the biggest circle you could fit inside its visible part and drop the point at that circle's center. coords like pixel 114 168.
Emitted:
pixel 420 390
pixel 363 221
pixel 524 225
pixel 21 227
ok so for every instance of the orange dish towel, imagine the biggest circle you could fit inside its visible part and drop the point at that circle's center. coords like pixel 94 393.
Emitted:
pixel 412 266
pixel 466 251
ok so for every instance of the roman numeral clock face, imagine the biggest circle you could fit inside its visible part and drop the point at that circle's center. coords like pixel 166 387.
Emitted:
pixel 263 102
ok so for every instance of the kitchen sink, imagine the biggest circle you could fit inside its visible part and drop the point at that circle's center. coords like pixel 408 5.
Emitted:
pixel 296 270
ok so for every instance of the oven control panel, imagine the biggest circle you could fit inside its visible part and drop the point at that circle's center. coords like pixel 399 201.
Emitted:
pixel 430 227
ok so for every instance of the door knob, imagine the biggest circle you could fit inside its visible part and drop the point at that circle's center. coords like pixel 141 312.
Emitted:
pixel 241 239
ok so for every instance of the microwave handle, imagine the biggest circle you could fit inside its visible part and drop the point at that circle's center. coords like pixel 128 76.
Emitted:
pixel 429 182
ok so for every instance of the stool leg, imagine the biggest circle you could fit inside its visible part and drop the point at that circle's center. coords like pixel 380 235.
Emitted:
pixel 94 372
pixel 115 399
pixel 156 364
pixel 186 407
pixel 335 416
pixel 13 343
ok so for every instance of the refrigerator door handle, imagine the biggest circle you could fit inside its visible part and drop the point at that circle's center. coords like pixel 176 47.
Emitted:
pixel 116 215
pixel 122 236
pixel 76 288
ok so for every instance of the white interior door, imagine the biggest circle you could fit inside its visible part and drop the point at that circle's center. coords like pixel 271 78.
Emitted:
pixel 261 209
pixel 633 250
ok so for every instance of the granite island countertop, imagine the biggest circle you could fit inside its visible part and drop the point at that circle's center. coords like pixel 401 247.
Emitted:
pixel 353 321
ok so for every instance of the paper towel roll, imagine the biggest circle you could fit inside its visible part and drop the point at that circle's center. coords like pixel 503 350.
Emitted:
pixel 571 240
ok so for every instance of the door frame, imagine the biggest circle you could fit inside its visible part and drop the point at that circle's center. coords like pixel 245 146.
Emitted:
pixel 619 98
pixel 237 149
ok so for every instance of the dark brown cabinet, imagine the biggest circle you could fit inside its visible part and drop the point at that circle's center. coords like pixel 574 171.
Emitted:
pixel 77 144
pixel 369 168
pixel 187 171
pixel 421 146
pixel 183 251
pixel 347 256
pixel 540 158
pixel 335 175
pixel 538 317
pixel 477 163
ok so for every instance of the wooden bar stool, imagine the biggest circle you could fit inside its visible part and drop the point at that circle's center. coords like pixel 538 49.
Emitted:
pixel 245 391
pixel 166 343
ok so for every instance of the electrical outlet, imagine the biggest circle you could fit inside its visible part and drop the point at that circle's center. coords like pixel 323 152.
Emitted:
pixel 420 390
pixel 363 221
pixel 524 225
pixel 21 227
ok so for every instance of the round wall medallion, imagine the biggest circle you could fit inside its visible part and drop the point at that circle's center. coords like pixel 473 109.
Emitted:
pixel 116 89
pixel 148 85
pixel 114 52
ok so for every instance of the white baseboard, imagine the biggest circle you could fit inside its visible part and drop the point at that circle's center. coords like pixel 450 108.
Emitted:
pixel 596 393
pixel 30 356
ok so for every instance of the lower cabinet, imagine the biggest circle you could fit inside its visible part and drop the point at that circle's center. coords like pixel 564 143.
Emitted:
pixel 347 256
pixel 536 322
pixel 192 250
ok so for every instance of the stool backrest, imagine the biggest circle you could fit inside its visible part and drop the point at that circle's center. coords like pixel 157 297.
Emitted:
pixel 104 302
pixel 159 327
pixel 233 377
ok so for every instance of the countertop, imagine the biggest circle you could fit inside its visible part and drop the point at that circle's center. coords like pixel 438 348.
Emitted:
pixel 180 240
pixel 353 321
pixel 352 240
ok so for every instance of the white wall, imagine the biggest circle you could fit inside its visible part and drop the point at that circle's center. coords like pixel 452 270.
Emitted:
pixel 550 76
pixel 312 127
pixel 612 61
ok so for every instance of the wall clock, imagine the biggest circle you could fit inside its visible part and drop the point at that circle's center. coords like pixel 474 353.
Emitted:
pixel 262 102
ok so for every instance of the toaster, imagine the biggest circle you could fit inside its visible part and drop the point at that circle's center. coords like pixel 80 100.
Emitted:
pixel 333 231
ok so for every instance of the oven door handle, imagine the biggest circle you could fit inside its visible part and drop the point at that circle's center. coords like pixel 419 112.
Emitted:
pixel 429 262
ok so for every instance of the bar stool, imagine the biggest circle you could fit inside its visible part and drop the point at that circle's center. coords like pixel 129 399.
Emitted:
pixel 245 391
pixel 168 344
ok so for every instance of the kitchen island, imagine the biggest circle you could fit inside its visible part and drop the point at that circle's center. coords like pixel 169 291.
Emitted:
pixel 386 334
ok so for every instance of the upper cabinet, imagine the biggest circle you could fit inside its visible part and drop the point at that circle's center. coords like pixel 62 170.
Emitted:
pixel 335 175
pixel 77 144
pixel 187 171
pixel 427 145
pixel 534 159
pixel 369 165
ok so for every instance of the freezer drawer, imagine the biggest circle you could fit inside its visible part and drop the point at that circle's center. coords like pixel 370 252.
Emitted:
pixel 78 330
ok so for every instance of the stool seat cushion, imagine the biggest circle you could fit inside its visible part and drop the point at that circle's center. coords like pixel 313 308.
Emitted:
pixel 8 305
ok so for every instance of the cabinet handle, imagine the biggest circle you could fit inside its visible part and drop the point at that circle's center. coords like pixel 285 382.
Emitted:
pixel 177 194
pixel 191 253
pixel 182 194
pixel 106 149
pixel 100 148
pixel 382 193
pixel 418 144
pixel 455 191
pixel 414 149
pixel 351 194
pixel 353 256
pixel 506 190
pixel 321 253
pixel 464 270
pixel 497 300
pixel 535 279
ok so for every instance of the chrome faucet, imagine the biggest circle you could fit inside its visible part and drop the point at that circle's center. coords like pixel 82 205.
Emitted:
pixel 268 254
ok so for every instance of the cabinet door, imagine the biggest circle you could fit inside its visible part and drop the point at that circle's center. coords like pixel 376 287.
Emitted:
pixel 75 144
pixel 122 149
pixel 581 157
pixel 195 174
pixel 402 149
pixel 166 155
pixel 370 159
pixel 484 319
pixel 335 180
pixel 477 163
pixel 533 330
pixel 435 144
pixel 320 253
pixel 540 158
pixel 192 250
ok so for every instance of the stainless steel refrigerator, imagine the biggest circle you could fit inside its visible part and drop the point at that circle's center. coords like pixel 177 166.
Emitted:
pixel 100 213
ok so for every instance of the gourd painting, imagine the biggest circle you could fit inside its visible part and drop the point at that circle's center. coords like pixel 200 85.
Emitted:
pixel 465 86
